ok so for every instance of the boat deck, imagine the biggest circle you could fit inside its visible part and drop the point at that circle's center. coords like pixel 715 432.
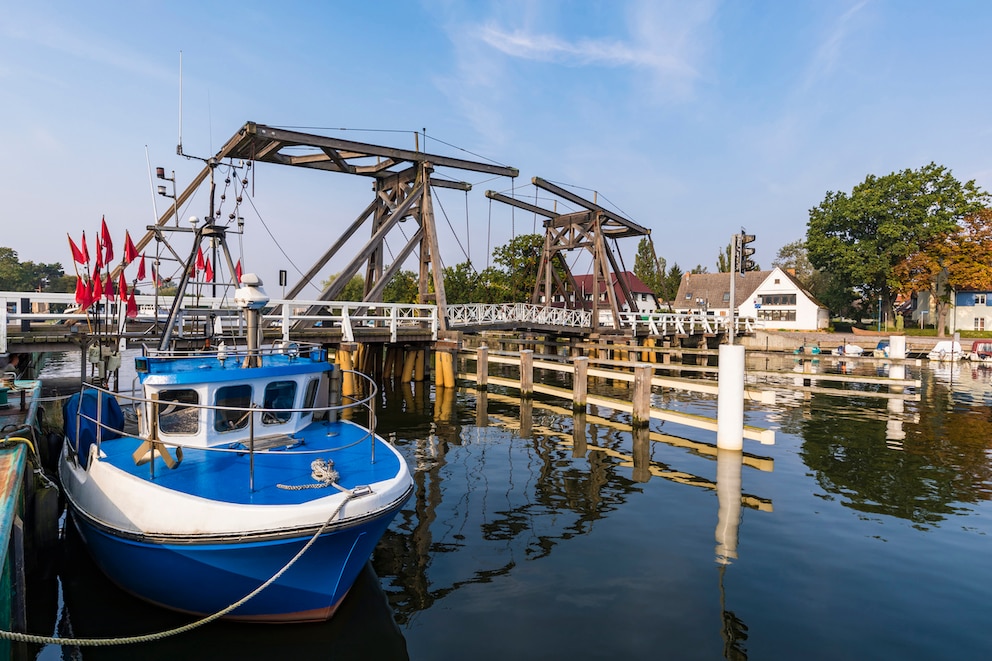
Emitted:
pixel 224 476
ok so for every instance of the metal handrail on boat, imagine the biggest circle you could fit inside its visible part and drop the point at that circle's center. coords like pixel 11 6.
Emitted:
pixel 239 446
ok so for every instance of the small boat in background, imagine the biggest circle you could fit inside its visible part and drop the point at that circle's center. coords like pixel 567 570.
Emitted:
pixel 235 480
pixel 981 351
pixel 945 350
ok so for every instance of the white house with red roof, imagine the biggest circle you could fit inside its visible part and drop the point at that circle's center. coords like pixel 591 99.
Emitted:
pixel 774 298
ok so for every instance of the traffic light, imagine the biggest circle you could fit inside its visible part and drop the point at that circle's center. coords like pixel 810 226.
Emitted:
pixel 745 263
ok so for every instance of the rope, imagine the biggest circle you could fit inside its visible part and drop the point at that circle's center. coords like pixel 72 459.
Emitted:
pixel 321 471
pixel 146 638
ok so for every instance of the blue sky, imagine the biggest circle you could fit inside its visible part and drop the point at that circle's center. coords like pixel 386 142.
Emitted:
pixel 692 118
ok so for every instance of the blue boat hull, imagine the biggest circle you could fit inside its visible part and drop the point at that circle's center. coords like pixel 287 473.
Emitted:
pixel 204 578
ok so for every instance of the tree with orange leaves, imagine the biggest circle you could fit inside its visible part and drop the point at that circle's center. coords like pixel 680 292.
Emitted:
pixel 960 259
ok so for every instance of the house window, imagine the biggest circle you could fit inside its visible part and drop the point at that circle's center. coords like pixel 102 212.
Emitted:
pixel 688 296
pixel 777 315
pixel 778 281
pixel 777 299
pixel 979 299
pixel 726 297
pixel 980 323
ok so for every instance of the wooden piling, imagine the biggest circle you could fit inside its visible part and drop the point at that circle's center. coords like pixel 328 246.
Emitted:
pixel 527 373
pixel 409 364
pixel 419 368
pixel 482 367
pixel 642 395
pixel 580 384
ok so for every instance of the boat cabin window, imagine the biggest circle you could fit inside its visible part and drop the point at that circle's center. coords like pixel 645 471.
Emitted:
pixel 234 396
pixel 173 416
pixel 278 395
pixel 309 397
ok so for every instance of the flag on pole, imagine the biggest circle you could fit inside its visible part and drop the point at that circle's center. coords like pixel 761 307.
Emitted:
pixel 237 272
pixel 199 259
pixel 122 286
pixel 85 250
pixel 141 268
pixel 130 253
pixel 132 306
pixel 108 287
pixel 99 253
pixel 80 293
pixel 97 287
pixel 77 254
pixel 208 271
pixel 108 244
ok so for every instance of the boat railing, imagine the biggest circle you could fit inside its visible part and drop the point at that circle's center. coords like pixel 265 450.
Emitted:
pixel 292 349
pixel 148 433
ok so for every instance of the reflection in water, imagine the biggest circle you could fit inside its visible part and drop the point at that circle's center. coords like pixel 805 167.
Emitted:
pixel 363 627
pixel 551 524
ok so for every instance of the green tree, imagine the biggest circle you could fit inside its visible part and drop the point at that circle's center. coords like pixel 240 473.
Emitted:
pixel 401 288
pixel 670 288
pixel 520 259
pixel 353 291
pixel 16 275
pixel 648 267
pixel 860 238
pixel 460 283
pixel 795 257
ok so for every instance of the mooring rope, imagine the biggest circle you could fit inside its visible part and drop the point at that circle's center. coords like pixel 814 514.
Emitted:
pixel 147 638
pixel 321 471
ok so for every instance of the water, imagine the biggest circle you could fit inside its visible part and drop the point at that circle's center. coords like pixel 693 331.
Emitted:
pixel 870 538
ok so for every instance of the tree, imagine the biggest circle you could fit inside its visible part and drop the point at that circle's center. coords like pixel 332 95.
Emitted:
pixel 960 259
pixel 520 258
pixel 16 275
pixel 460 283
pixel 401 288
pixel 860 238
pixel 795 257
pixel 353 291
pixel 647 267
pixel 670 287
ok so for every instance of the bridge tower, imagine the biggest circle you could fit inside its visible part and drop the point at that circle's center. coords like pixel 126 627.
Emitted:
pixel 402 183
pixel 591 228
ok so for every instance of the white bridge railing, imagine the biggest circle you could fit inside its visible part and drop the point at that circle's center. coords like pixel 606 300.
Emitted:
pixel 481 314
pixel 39 308
pixel 641 323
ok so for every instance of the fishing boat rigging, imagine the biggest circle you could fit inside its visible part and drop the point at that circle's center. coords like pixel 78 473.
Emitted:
pixel 241 456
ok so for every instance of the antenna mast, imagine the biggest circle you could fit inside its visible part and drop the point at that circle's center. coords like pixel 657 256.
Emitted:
pixel 179 147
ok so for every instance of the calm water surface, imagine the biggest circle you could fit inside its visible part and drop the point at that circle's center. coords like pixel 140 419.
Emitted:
pixel 863 533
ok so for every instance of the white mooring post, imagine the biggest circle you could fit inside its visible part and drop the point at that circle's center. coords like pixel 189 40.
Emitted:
pixel 730 398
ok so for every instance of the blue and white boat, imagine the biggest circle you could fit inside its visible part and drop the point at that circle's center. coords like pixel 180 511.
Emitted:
pixel 244 469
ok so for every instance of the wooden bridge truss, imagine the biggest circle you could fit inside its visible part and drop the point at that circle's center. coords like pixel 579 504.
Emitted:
pixel 403 181
pixel 590 228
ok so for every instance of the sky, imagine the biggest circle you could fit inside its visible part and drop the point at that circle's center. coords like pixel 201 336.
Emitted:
pixel 694 119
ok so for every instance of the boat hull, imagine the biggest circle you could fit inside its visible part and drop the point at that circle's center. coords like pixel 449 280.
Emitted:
pixel 204 578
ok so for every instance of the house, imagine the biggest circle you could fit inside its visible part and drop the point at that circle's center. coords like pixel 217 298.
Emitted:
pixel 775 298
pixel 971 310
pixel 644 298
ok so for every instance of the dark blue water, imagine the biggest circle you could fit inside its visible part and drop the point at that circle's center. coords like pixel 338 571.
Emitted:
pixel 529 538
